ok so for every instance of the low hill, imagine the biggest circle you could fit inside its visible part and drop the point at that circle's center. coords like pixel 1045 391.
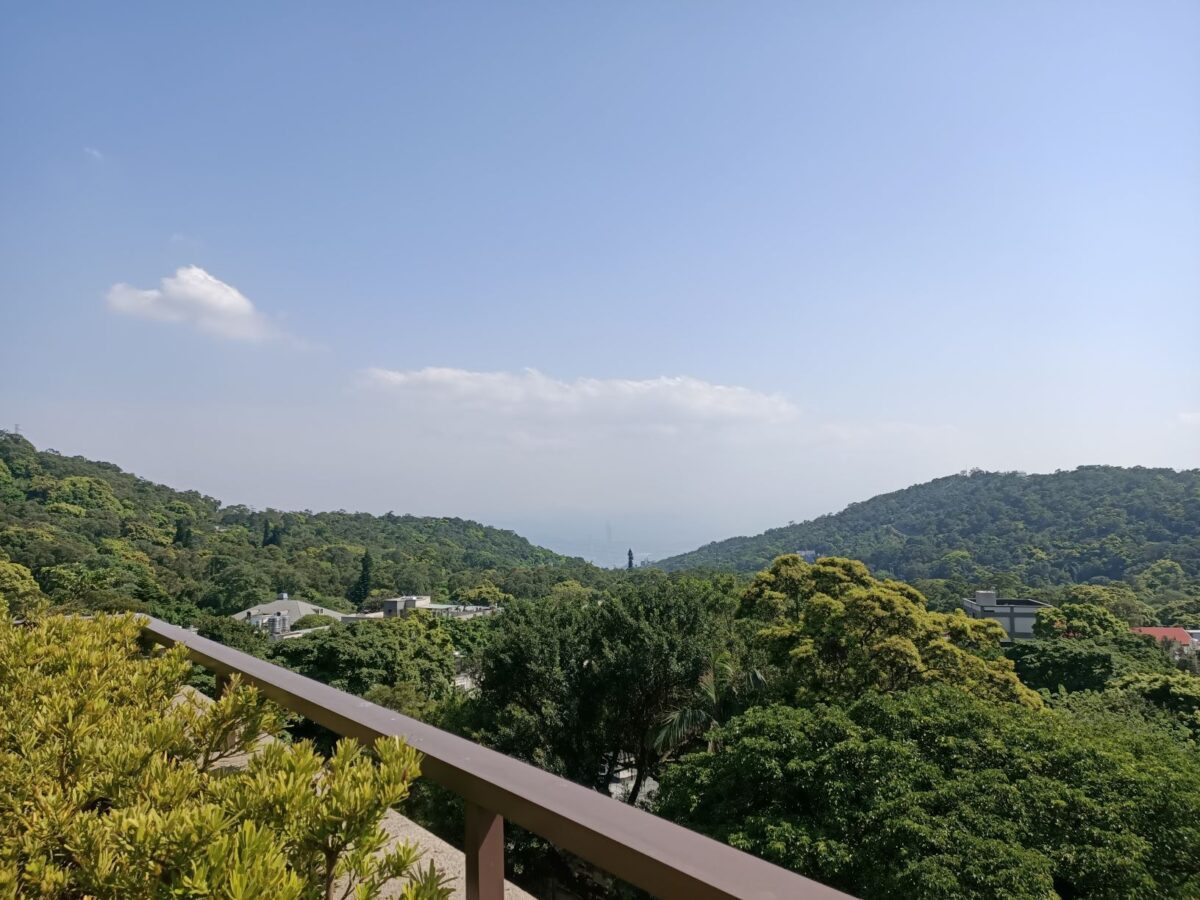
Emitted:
pixel 1093 523
pixel 91 533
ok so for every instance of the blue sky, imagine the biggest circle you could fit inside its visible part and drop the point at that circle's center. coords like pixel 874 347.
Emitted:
pixel 609 274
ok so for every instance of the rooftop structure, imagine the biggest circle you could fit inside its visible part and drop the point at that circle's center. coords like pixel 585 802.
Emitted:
pixel 398 606
pixel 1015 615
pixel 277 616
pixel 348 618
pixel 1180 636
pixel 402 606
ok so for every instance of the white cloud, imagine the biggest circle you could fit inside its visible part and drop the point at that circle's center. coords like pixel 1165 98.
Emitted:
pixel 194 297
pixel 532 400
pixel 664 450
pixel 1190 418
pixel 94 153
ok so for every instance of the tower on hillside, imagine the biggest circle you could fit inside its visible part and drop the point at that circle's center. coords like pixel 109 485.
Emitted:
pixel 630 566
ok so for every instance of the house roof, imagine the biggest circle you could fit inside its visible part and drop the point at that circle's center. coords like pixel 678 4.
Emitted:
pixel 1159 633
pixel 293 608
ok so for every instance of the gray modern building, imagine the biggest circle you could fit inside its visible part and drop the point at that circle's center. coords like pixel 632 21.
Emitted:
pixel 402 606
pixel 1015 615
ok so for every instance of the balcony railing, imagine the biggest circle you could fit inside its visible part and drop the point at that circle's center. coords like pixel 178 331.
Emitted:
pixel 644 850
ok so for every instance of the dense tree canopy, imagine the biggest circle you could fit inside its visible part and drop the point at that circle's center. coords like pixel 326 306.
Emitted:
pixel 1078 620
pixel 18 589
pixel 1086 664
pixel 577 686
pixel 839 722
pixel 933 792
pixel 985 529
pixel 94 537
pixel 409 649
pixel 836 632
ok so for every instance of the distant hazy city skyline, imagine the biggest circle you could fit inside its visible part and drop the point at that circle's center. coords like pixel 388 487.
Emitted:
pixel 641 276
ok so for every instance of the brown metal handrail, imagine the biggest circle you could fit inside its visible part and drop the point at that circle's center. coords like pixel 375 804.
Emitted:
pixel 656 855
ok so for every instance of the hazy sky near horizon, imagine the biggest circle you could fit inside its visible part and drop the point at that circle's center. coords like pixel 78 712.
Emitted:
pixel 609 274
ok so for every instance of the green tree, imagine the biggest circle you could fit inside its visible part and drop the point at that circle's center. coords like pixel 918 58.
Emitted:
pixel 1085 664
pixel 355 657
pixel 654 641
pixel 1118 599
pixel 539 696
pixel 722 691
pixel 115 791
pixel 581 689
pixel 1001 529
pixel 835 632
pixel 19 592
pixel 1184 613
pixel 233 633
pixel 1162 576
pixel 483 594
pixel 313 620
pixel 1177 693
pixel 361 589
pixel 1077 620
pixel 236 587
pixel 571 591
pixel 934 792
pixel 84 493
pixel 183 533
pixel 10 491
pixel 19 456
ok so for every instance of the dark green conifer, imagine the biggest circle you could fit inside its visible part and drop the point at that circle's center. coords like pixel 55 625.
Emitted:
pixel 361 589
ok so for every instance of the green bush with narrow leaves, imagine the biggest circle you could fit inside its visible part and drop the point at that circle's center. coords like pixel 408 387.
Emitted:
pixel 118 782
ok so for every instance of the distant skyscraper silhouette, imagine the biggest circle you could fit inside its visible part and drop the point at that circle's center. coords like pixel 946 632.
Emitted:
pixel 630 566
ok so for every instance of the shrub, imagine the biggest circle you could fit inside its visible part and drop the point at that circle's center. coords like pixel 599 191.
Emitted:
pixel 116 782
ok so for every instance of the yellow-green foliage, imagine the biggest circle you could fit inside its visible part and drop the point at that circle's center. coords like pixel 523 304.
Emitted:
pixel 115 782
pixel 18 590
pixel 125 552
pixel 9 491
pixel 843 632
pixel 83 492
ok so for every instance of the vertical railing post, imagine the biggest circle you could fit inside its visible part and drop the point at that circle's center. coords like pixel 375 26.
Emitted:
pixel 484 850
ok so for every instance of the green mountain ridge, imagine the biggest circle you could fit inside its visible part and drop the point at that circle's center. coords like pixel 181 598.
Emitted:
pixel 93 534
pixel 1093 523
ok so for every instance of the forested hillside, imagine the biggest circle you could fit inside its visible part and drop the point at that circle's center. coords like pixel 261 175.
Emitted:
pixel 828 721
pixel 1011 529
pixel 819 716
pixel 91 535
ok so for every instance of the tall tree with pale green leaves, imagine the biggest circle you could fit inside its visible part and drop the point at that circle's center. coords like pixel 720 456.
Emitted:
pixel 1078 620
pixel 834 631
